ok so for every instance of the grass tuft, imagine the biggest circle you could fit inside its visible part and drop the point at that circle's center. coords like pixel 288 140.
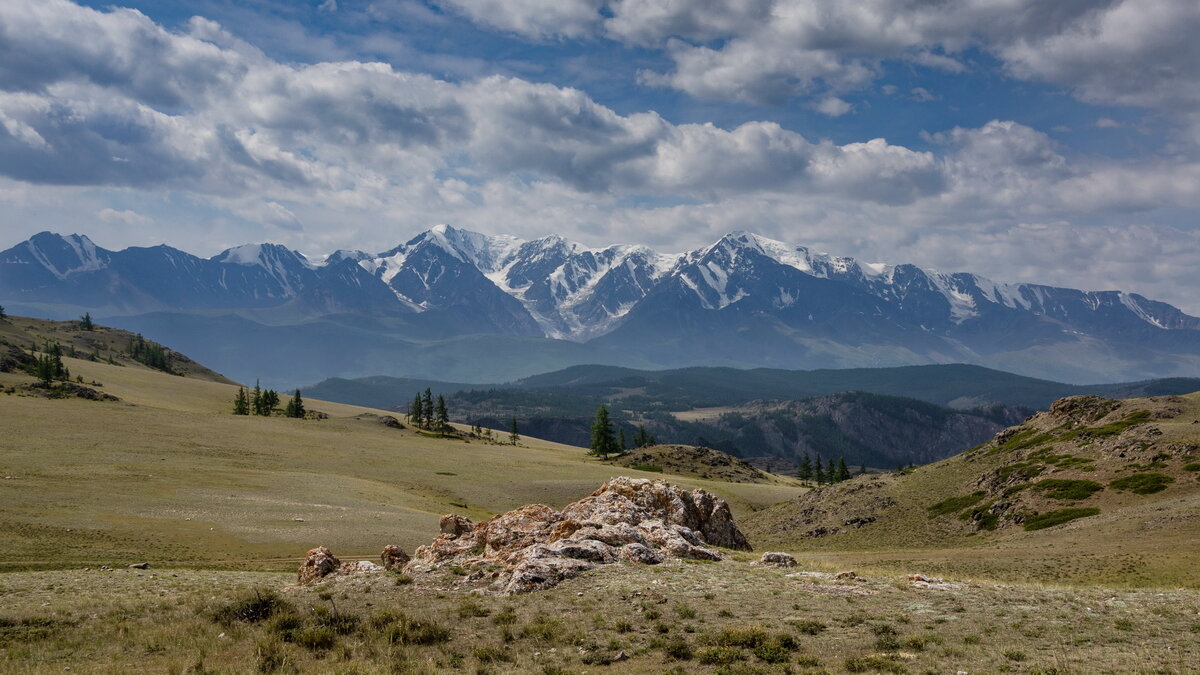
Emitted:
pixel 1052 518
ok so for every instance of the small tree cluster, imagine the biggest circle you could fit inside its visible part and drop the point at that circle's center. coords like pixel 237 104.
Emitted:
pixel 824 473
pixel 295 407
pixel 48 366
pixel 260 401
pixel 642 439
pixel 85 322
pixel 425 413
pixel 149 353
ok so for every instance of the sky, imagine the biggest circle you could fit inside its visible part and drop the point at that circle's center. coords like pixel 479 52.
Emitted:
pixel 1049 141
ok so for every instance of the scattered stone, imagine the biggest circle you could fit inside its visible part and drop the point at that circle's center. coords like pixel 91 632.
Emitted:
pixel 848 575
pixel 394 557
pixel 140 566
pixel 358 567
pixel 627 519
pixel 621 656
pixel 776 559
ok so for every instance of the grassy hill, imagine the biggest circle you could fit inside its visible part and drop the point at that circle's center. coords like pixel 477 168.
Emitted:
pixel 685 460
pixel 1094 490
pixel 168 474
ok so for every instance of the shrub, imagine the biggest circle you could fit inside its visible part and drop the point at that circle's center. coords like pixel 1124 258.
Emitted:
pixel 809 626
pixel 1065 489
pixel 955 504
pixel 491 654
pixel 253 607
pixel 1015 655
pixel 470 608
pixel 740 637
pixel 270 656
pixel 1143 483
pixel 1194 466
pixel 679 649
pixel 720 656
pixel 317 638
pixel 1052 518
pixel 870 664
pixel 654 468
pixel 772 653
pixel 543 628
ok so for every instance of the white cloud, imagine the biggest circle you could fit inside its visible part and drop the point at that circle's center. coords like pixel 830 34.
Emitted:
pixel 833 106
pixel 351 154
pixel 126 217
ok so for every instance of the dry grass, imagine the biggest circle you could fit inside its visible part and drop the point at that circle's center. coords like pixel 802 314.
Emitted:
pixel 671 618
pixel 167 475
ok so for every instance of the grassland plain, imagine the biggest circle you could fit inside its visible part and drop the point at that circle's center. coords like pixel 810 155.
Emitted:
pixel 167 474
pixel 223 506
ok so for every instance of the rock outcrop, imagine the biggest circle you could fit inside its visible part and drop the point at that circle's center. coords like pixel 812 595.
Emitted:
pixel 393 557
pixel 627 519
pixel 776 559
pixel 320 562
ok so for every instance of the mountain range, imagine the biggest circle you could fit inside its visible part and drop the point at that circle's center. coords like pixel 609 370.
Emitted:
pixel 456 305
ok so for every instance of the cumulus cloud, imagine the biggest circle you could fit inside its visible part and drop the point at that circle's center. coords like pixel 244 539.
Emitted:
pixel 1127 52
pixel 346 153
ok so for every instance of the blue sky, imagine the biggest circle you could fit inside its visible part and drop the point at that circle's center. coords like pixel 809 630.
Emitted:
pixel 1054 142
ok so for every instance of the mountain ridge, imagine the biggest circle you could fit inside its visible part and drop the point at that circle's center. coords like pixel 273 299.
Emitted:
pixel 743 301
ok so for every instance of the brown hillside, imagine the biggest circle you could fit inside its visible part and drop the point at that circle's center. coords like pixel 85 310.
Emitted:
pixel 697 462
pixel 1092 487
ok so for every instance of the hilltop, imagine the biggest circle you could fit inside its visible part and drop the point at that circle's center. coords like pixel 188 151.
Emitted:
pixel 1093 490
pixel 697 462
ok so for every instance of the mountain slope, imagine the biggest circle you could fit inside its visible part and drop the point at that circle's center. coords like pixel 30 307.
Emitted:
pixel 1109 489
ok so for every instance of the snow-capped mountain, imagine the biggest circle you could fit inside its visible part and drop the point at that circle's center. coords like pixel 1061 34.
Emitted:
pixel 744 300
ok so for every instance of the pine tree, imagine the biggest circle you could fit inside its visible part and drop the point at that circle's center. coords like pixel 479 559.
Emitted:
pixel 295 407
pixel 443 416
pixel 842 472
pixel 256 399
pixel 818 471
pixel 427 409
pixel 603 443
pixel 3 314
pixel 622 445
pixel 414 411
pixel 805 471
pixel 241 402
pixel 270 401
pixel 639 437
pixel 513 436
pixel 862 470
pixel 830 472
pixel 85 322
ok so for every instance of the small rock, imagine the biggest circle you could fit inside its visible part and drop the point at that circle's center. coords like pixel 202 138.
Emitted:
pixel 297 520
pixel 140 566
pixel 776 559
pixel 848 575
pixel 621 656
pixel 455 525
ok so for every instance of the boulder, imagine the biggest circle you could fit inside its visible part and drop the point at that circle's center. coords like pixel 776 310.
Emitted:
pixel 626 520
pixel 319 563
pixel 454 525
pixel 775 559
pixel 393 557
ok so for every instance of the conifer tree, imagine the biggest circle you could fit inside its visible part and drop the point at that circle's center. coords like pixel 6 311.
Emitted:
pixel 818 471
pixel 241 402
pixel 805 470
pixel 270 399
pixel 85 322
pixel 414 411
pixel 622 446
pixel 830 472
pixel 256 399
pixel 842 472
pixel 513 436
pixel 862 470
pixel 295 407
pixel 3 314
pixel 639 437
pixel 427 408
pixel 442 422
pixel 603 442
